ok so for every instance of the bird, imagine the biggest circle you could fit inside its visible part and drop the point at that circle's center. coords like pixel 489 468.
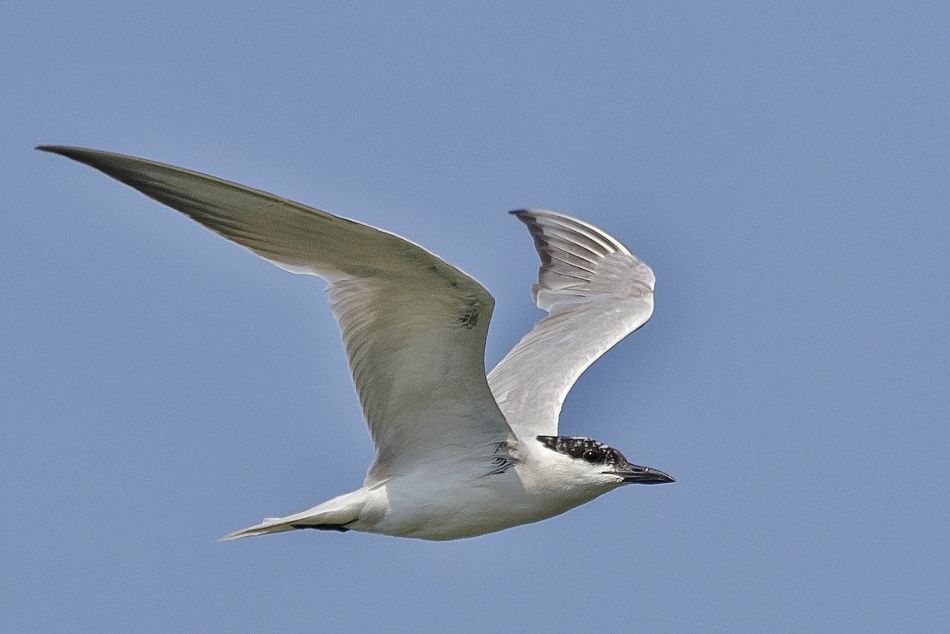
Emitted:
pixel 459 452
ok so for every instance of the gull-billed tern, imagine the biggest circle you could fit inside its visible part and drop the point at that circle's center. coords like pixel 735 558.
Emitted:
pixel 458 453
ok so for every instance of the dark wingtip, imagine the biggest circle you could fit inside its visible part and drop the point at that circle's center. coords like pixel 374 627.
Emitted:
pixel 94 158
pixel 525 215
pixel 64 150
pixel 534 213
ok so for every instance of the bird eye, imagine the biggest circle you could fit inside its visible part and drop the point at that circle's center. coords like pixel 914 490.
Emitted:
pixel 591 455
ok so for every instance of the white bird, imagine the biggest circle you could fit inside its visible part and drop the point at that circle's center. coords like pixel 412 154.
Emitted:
pixel 458 453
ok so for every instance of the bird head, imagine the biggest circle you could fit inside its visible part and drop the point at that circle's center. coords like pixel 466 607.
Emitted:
pixel 596 462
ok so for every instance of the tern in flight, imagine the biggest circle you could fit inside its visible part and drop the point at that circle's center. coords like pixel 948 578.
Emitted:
pixel 458 453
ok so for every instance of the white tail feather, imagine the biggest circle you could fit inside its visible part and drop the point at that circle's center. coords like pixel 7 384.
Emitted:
pixel 335 514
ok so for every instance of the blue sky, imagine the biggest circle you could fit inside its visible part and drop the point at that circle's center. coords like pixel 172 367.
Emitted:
pixel 783 168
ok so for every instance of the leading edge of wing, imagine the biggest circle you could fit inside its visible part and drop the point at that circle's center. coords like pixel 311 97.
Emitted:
pixel 293 236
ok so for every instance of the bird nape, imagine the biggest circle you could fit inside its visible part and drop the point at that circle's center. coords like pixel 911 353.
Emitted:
pixel 459 452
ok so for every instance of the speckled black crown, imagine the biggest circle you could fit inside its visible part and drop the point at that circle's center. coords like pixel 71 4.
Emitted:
pixel 586 449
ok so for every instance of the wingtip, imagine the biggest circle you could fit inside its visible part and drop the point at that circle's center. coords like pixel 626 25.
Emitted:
pixel 64 150
pixel 527 214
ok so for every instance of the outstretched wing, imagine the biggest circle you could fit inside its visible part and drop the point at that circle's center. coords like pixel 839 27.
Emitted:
pixel 414 326
pixel 595 292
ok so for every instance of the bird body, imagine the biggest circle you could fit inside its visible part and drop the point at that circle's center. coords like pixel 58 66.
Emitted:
pixel 453 499
pixel 459 452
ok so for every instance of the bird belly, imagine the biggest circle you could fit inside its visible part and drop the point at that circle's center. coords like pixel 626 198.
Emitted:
pixel 450 508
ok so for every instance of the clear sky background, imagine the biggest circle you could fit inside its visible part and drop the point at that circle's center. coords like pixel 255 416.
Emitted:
pixel 784 168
